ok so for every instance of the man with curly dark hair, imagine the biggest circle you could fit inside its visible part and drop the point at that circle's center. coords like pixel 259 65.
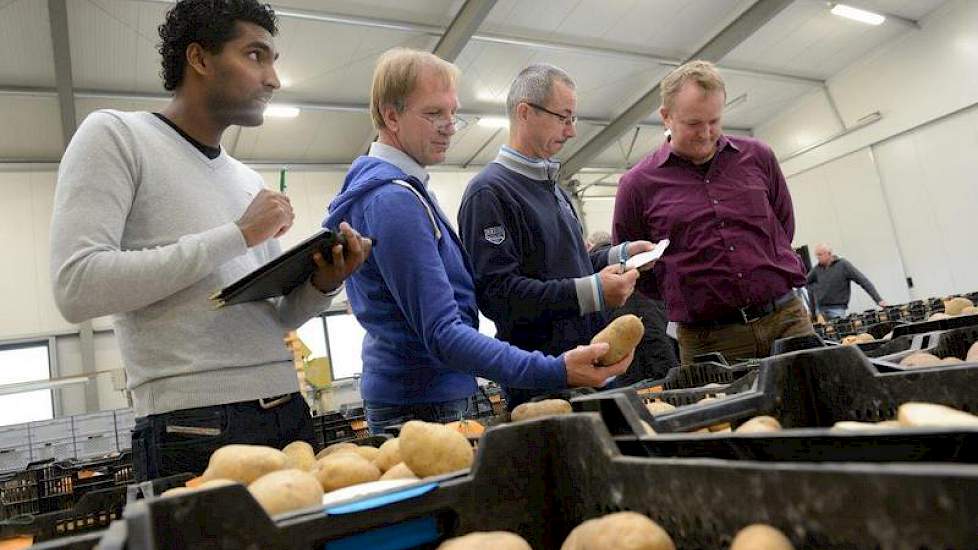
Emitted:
pixel 152 215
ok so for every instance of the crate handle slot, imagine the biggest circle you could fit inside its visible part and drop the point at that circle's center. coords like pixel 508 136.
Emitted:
pixel 382 500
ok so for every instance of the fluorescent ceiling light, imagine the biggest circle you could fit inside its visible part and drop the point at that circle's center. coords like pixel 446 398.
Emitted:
pixel 494 122
pixel 857 14
pixel 281 111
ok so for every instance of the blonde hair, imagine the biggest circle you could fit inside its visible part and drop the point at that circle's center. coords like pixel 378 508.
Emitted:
pixel 396 77
pixel 703 73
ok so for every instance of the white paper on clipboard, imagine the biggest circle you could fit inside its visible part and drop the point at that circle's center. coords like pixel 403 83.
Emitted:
pixel 643 258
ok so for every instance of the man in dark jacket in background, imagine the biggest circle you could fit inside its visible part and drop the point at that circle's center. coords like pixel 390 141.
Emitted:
pixel 830 279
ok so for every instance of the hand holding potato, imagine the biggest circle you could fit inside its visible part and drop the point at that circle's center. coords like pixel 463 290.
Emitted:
pixel 581 370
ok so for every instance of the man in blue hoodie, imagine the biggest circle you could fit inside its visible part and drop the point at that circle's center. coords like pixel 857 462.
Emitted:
pixel 415 295
pixel 534 276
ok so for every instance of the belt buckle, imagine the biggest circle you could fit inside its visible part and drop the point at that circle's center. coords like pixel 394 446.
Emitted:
pixel 271 403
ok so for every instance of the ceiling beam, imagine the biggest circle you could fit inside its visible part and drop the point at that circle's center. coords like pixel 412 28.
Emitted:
pixel 335 107
pixel 468 19
pixel 905 21
pixel 720 45
pixel 514 40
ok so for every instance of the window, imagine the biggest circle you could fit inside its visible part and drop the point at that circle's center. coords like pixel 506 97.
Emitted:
pixel 28 362
pixel 345 338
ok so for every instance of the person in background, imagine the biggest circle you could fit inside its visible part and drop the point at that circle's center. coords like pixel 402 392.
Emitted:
pixel 151 215
pixel 415 295
pixel 830 282
pixel 534 277
pixel 656 352
pixel 729 277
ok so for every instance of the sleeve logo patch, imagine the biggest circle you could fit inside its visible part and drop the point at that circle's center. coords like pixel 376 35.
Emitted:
pixel 495 235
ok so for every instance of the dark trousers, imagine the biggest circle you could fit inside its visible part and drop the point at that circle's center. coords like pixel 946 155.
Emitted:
pixel 383 415
pixel 182 441
pixel 737 341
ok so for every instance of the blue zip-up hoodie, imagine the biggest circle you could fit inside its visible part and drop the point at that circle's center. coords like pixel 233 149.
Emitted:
pixel 415 296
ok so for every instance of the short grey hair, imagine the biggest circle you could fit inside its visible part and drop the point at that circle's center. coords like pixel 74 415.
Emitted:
pixel 534 84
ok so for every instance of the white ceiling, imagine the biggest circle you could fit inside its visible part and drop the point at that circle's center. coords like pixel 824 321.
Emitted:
pixel 113 48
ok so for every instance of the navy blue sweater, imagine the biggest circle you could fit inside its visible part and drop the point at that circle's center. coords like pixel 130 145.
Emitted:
pixel 527 249
pixel 416 299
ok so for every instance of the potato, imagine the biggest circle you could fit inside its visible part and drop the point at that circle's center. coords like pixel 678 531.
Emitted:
pixel 852 426
pixel 760 537
pixel 330 449
pixel 399 471
pixel 760 424
pixel 951 361
pixel 177 491
pixel 933 415
pixel 434 449
pixel 970 310
pixel 938 316
pixel 619 531
pixel 491 540
pixel 722 427
pixel 621 335
pixel 211 484
pixel 955 306
pixel 864 337
pixel 920 359
pixel 537 409
pixel 286 490
pixel 367 452
pixel 972 353
pixel 343 470
pixel 659 407
pixel 301 455
pixel 850 340
pixel 244 463
pixel 389 455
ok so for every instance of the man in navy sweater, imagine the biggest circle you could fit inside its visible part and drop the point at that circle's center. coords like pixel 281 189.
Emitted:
pixel 534 277
pixel 415 295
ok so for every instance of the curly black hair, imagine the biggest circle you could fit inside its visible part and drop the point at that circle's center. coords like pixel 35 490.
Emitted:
pixel 210 23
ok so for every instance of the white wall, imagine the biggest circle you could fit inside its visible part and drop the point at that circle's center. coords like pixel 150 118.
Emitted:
pixel 897 196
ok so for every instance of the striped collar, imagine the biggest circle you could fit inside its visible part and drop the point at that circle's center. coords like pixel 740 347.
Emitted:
pixel 535 169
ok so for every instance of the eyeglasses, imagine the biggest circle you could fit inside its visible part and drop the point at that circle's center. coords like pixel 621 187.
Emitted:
pixel 566 120
pixel 442 122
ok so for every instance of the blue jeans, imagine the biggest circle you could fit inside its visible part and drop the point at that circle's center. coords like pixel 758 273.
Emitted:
pixel 182 441
pixel 384 415
pixel 832 312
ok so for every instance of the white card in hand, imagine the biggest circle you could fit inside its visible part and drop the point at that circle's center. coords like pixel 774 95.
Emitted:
pixel 643 258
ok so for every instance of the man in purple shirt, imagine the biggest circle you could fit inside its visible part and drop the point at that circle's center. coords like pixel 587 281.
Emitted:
pixel 729 276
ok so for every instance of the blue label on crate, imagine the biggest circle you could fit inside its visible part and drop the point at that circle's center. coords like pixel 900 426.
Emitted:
pixel 402 536
pixel 381 500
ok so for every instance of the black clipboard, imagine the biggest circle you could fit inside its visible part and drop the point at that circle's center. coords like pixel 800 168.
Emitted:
pixel 283 274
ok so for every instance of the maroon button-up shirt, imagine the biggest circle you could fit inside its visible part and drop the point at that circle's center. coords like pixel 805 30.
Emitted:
pixel 730 228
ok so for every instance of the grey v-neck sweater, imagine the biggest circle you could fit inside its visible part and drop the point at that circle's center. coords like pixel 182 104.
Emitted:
pixel 144 229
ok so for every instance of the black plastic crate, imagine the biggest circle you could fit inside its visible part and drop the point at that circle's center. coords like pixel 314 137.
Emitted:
pixel 544 477
pixel 921 326
pixel 335 427
pixel 948 343
pixel 815 388
pixel 882 328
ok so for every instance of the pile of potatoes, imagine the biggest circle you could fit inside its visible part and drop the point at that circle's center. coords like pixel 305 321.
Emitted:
pixel 619 531
pixel 924 359
pixel 296 477
pixel 955 307
pixel 861 338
